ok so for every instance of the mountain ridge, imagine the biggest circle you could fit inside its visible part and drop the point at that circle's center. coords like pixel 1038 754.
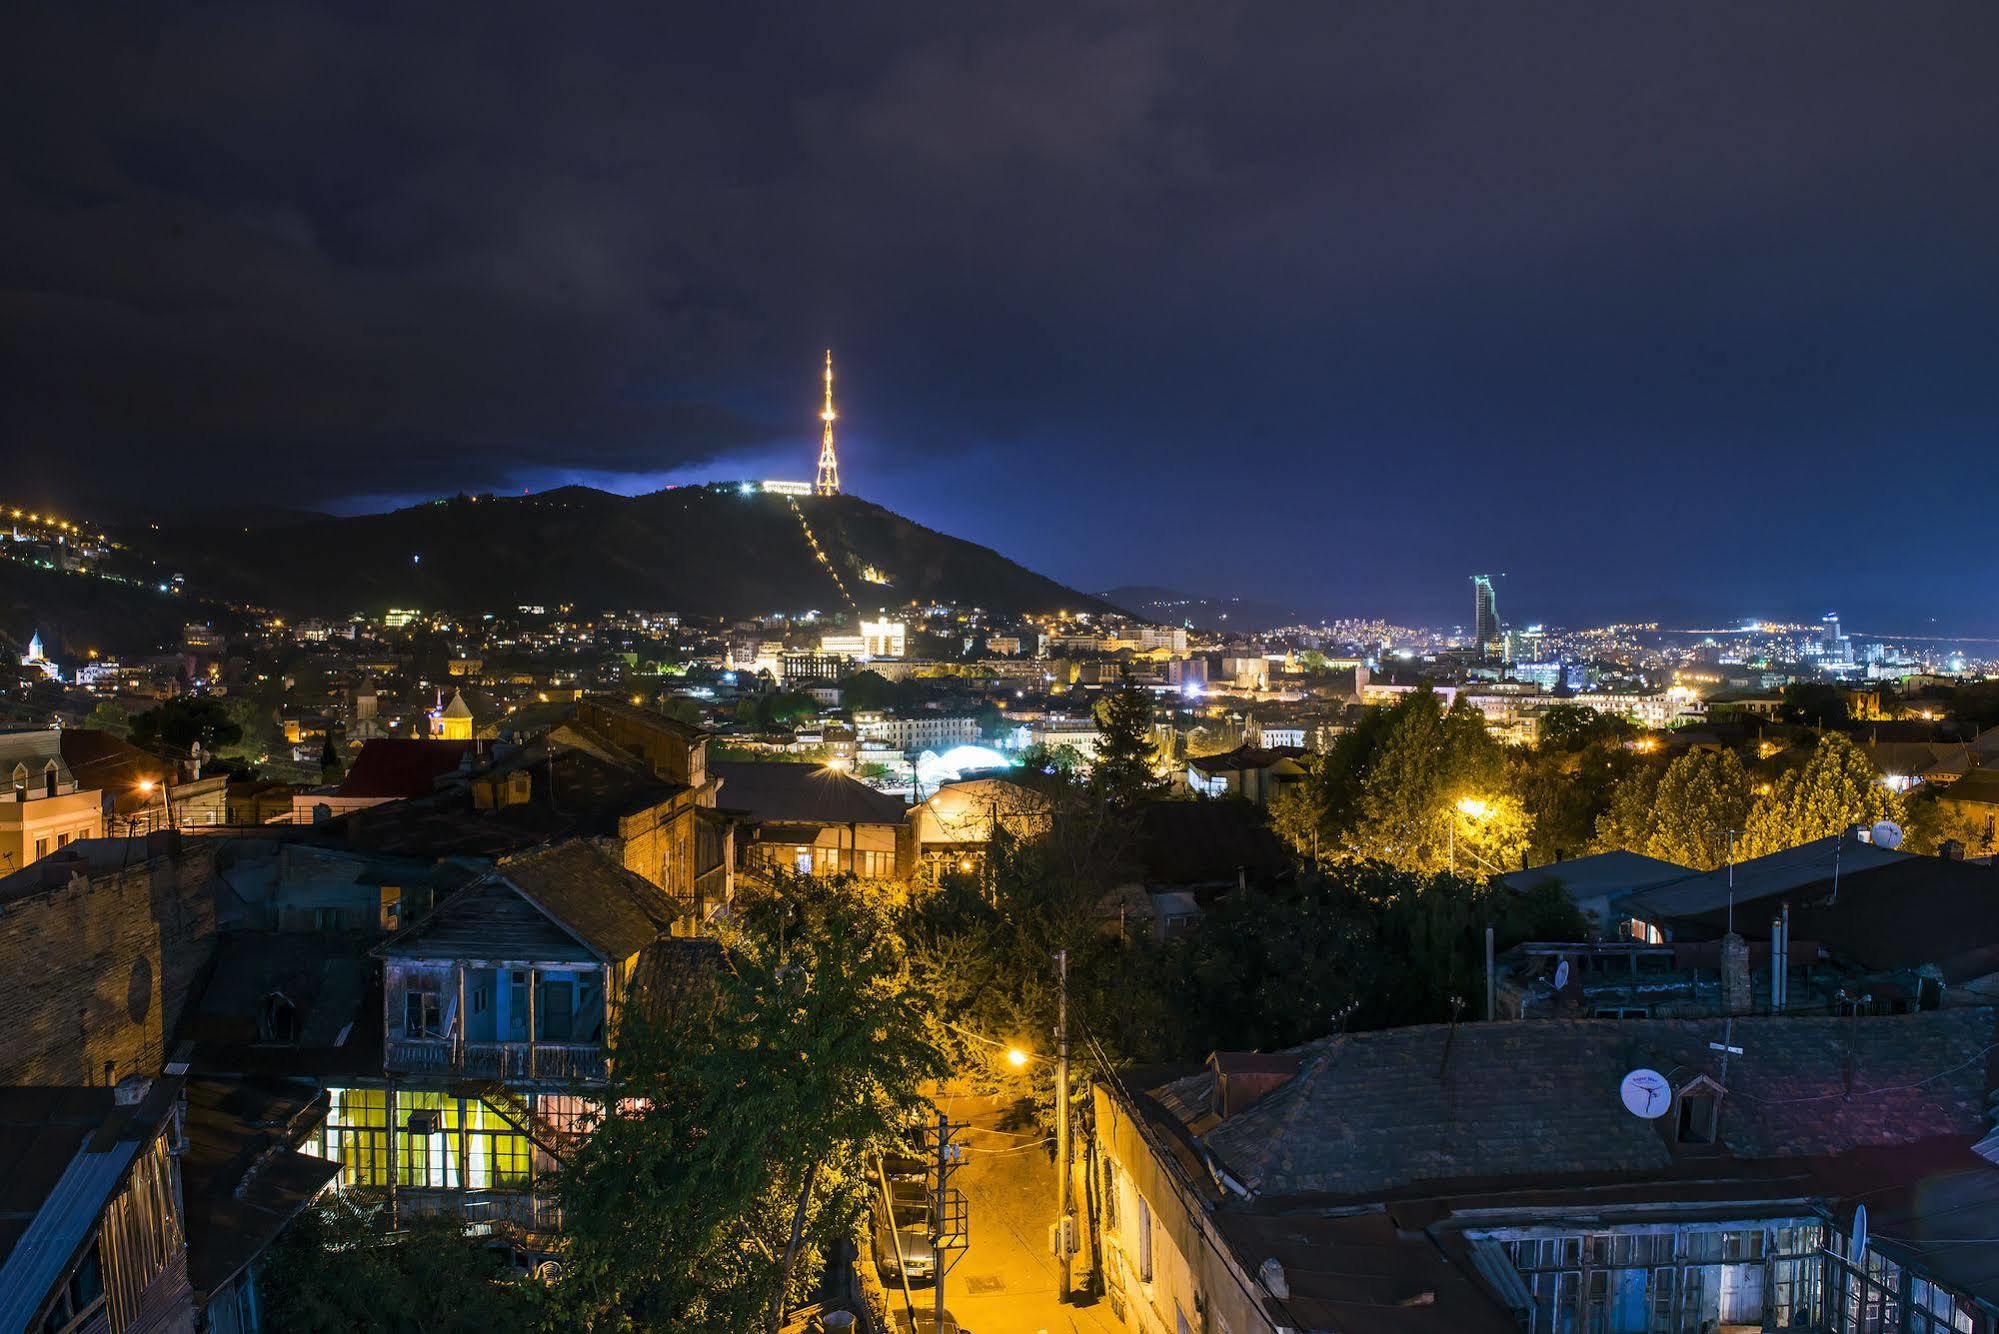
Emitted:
pixel 712 550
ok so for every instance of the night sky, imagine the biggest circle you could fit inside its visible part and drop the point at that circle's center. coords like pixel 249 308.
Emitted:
pixel 1667 310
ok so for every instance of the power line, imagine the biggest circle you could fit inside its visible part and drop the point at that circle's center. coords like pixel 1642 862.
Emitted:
pixel 1885 1088
pixel 1173 1175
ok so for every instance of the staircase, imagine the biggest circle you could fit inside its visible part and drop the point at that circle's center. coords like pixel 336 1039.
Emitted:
pixel 517 1112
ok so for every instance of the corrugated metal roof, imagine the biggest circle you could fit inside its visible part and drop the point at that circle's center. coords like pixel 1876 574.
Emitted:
pixel 66 1217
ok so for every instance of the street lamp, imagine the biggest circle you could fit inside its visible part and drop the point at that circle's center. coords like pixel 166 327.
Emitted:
pixel 146 786
pixel 1467 806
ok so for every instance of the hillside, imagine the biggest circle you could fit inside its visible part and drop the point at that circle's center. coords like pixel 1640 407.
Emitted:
pixel 697 550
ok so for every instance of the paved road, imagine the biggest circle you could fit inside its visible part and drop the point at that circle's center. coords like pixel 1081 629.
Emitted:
pixel 1004 1282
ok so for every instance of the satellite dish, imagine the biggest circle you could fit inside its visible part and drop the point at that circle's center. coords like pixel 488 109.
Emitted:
pixel 1562 975
pixel 1646 1094
pixel 1887 834
pixel 1856 1251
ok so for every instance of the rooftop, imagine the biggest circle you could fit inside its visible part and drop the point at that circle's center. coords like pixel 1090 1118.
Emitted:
pixel 1602 873
pixel 399 767
pixel 1784 872
pixel 1370 1114
pixel 802 794
pixel 600 911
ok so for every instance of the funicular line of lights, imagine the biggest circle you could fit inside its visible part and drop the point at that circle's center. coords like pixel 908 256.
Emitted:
pixel 813 542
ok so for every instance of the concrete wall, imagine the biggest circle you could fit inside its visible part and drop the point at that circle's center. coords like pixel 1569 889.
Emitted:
pixel 96 972
pixel 1184 1261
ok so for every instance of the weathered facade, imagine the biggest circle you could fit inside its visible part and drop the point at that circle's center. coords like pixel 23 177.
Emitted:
pixel 1489 1177
pixel 497 1012
pixel 92 1229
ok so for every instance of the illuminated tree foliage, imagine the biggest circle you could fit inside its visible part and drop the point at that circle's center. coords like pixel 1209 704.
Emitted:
pixel 1837 788
pixel 746 1117
pixel 1681 814
pixel 1297 812
pixel 1423 782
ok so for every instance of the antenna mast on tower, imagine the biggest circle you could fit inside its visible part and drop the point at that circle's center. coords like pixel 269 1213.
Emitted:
pixel 829 463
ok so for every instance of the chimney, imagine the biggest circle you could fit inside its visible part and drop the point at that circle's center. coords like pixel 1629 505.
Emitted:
pixel 1735 986
pixel 1952 850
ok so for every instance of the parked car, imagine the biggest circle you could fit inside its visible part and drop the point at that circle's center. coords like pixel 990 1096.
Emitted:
pixel 902 1244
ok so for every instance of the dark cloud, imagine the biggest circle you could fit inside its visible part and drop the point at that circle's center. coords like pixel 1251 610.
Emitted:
pixel 1329 302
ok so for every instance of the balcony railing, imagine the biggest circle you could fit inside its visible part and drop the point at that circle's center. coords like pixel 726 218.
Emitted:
pixel 517 1211
pixel 556 1062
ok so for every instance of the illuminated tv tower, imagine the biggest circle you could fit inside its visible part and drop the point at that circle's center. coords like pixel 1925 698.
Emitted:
pixel 829 463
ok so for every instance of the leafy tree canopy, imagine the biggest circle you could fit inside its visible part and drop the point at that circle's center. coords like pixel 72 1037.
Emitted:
pixel 1567 729
pixel 175 725
pixel 338 1268
pixel 1837 788
pixel 1681 814
pixel 747 1111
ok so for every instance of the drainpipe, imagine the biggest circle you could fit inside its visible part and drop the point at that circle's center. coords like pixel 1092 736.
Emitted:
pixel 1776 965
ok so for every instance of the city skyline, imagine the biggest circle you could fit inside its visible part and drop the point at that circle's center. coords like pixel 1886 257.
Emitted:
pixel 1691 330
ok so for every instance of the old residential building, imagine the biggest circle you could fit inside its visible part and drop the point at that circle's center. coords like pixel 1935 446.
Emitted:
pixel 812 820
pixel 496 1014
pixel 1563 1177
pixel 42 807
pixel 93 1234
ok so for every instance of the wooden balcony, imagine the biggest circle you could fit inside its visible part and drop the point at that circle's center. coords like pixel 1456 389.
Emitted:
pixel 510 1062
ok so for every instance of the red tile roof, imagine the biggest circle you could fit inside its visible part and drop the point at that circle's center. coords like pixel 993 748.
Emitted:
pixel 396 767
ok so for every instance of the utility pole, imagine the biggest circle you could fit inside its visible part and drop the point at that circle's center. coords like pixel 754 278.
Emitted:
pixel 938 1196
pixel 1062 1231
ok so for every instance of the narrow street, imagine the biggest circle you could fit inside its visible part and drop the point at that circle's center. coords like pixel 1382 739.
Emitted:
pixel 1004 1282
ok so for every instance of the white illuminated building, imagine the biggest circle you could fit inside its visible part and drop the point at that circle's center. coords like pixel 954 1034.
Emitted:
pixel 34 659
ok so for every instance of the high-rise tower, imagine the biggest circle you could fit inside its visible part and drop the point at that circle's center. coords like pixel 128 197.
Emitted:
pixel 1485 612
pixel 829 463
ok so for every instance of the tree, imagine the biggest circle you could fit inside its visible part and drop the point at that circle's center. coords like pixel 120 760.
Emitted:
pixel 1436 781
pixel 1567 793
pixel 338 1268
pixel 110 716
pixel 1297 812
pixel 1837 788
pixel 1123 768
pixel 867 690
pixel 176 725
pixel 1567 729
pixel 331 766
pixel 1701 796
pixel 1975 705
pixel 745 1116
pixel 1681 813
pixel 1627 825
pixel 681 710
pixel 1362 946
pixel 257 734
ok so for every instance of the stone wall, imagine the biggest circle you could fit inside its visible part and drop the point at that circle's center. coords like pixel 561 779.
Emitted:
pixel 95 971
